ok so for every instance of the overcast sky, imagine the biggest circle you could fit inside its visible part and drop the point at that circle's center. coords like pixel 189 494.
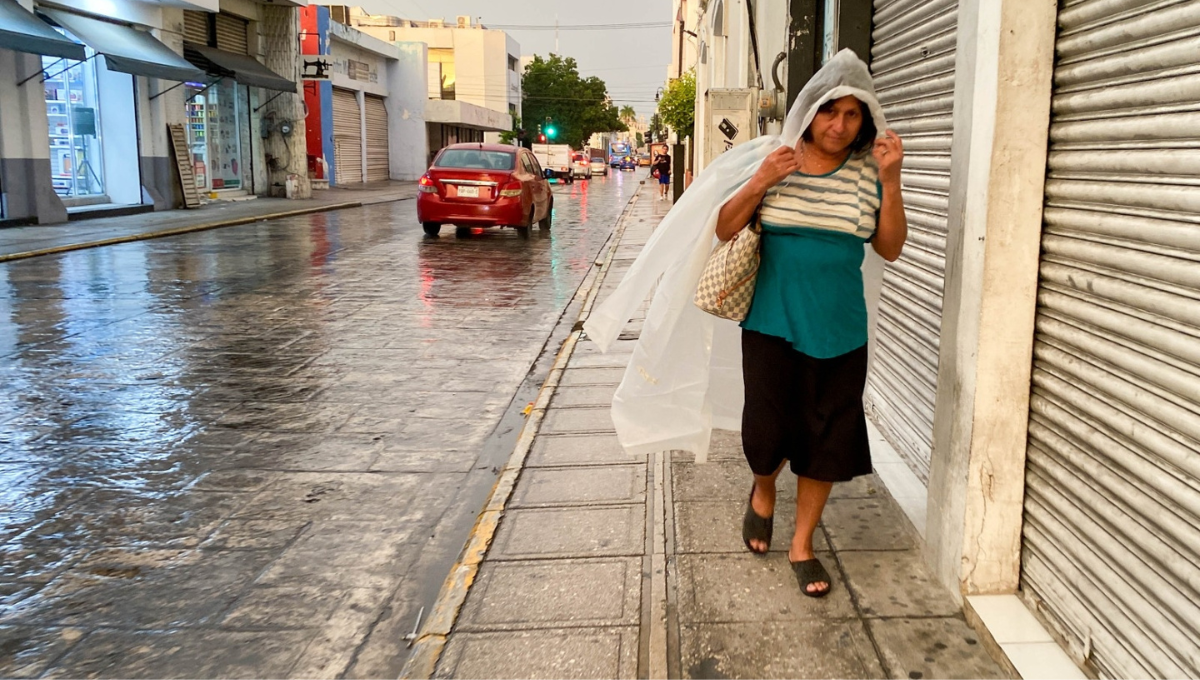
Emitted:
pixel 633 62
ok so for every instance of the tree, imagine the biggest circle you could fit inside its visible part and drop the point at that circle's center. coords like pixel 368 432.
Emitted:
pixel 577 107
pixel 628 115
pixel 677 108
pixel 640 142
pixel 509 136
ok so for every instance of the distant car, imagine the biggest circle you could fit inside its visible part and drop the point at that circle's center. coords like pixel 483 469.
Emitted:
pixel 484 185
pixel 627 163
pixel 644 160
pixel 599 166
pixel 580 166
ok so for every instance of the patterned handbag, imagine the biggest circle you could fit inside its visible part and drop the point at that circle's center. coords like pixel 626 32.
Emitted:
pixel 727 286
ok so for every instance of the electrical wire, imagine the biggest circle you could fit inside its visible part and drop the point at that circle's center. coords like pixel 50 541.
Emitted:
pixel 580 27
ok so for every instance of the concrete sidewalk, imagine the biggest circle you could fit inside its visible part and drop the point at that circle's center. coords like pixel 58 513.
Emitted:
pixel 589 563
pixel 29 241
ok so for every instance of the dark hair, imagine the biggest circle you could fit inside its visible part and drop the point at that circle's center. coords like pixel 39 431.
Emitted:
pixel 866 134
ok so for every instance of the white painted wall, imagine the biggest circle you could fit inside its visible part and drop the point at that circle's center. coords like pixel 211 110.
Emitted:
pixel 482 77
pixel 118 132
pixel 407 134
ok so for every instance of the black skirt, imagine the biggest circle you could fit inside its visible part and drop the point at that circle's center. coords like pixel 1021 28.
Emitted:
pixel 805 410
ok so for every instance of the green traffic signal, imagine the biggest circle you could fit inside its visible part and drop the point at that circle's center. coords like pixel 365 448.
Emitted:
pixel 551 132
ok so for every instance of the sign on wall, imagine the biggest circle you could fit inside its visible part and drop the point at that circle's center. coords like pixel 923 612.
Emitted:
pixel 315 67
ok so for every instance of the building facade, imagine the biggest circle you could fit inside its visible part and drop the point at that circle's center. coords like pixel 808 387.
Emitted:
pixel 474 75
pixel 365 100
pixel 89 88
pixel 1035 352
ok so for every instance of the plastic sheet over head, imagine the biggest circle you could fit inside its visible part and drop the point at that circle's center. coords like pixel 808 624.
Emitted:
pixel 685 375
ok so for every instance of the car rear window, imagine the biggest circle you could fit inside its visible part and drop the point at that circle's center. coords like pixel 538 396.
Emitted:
pixel 475 159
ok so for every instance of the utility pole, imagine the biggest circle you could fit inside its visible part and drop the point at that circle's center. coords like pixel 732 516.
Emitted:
pixel 556 34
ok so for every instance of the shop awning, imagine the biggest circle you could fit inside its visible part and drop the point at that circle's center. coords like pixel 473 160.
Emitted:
pixel 242 68
pixel 125 48
pixel 20 30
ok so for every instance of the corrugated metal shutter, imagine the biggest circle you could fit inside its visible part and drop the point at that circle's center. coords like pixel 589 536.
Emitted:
pixel 912 58
pixel 195 27
pixel 347 138
pixel 377 140
pixel 1111 543
pixel 232 35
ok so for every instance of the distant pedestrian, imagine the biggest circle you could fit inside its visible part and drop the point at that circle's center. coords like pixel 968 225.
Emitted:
pixel 661 168
pixel 804 340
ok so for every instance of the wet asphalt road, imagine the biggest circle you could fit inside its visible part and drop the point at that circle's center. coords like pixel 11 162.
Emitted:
pixel 255 451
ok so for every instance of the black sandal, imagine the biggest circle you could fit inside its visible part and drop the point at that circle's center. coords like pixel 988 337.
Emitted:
pixel 756 528
pixel 809 572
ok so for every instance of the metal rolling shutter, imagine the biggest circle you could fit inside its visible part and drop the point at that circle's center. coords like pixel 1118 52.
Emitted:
pixel 232 34
pixel 195 27
pixel 377 140
pixel 347 138
pixel 912 58
pixel 1111 542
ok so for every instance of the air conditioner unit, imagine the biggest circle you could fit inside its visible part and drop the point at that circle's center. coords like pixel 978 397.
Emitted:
pixel 732 120
pixel 464 22
pixel 437 23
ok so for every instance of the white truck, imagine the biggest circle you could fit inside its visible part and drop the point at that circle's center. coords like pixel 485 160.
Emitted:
pixel 555 159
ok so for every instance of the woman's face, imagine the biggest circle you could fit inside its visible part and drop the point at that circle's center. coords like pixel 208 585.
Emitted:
pixel 836 125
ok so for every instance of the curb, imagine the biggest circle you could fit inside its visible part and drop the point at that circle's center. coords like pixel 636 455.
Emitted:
pixel 233 222
pixel 427 649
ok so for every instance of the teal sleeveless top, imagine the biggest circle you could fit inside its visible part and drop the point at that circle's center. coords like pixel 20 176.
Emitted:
pixel 809 289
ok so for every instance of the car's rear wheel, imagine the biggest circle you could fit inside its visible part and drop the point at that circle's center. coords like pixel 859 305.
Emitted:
pixel 544 223
pixel 432 228
pixel 462 232
pixel 523 229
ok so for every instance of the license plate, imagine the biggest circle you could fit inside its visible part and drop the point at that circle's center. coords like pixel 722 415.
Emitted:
pixel 468 192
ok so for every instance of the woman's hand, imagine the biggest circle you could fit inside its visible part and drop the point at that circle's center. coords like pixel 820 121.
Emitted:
pixel 889 154
pixel 775 168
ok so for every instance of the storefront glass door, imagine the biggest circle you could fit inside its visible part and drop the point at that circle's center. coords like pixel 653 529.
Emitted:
pixel 73 113
pixel 214 135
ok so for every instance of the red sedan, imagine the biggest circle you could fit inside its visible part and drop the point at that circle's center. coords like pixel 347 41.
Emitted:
pixel 484 185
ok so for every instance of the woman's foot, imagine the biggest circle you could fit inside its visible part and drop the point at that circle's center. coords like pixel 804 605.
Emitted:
pixel 758 522
pixel 810 573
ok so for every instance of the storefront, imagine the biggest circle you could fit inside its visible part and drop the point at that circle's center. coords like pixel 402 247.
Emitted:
pixel 347 138
pixel 1111 538
pixel 220 108
pixel 378 149
pixel 913 59
pixel 90 108
pixel 442 136
pixel 216 116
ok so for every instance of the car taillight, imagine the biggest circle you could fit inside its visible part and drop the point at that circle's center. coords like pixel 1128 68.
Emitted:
pixel 510 190
pixel 427 185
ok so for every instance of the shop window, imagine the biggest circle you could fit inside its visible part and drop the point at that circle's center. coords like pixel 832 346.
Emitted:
pixel 215 135
pixel 73 113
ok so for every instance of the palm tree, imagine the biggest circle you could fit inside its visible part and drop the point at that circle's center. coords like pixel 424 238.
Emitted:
pixel 628 115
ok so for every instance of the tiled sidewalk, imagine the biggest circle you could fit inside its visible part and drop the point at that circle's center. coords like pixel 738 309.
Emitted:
pixel 16 241
pixel 607 565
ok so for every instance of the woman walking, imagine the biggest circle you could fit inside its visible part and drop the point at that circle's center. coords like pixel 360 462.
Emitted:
pixel 791 376
pixel 804 341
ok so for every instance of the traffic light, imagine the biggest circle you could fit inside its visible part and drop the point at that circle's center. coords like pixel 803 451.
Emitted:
pixel 541 139
pixel 551 132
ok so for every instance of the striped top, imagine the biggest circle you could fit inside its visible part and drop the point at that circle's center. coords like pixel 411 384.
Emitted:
pixel 844 201
pixel 809 289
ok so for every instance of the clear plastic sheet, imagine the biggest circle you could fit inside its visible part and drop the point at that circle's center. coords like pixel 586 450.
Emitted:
pixel 685 375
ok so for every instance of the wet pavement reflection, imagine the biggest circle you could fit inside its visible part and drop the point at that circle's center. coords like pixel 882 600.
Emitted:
pixel 226 453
